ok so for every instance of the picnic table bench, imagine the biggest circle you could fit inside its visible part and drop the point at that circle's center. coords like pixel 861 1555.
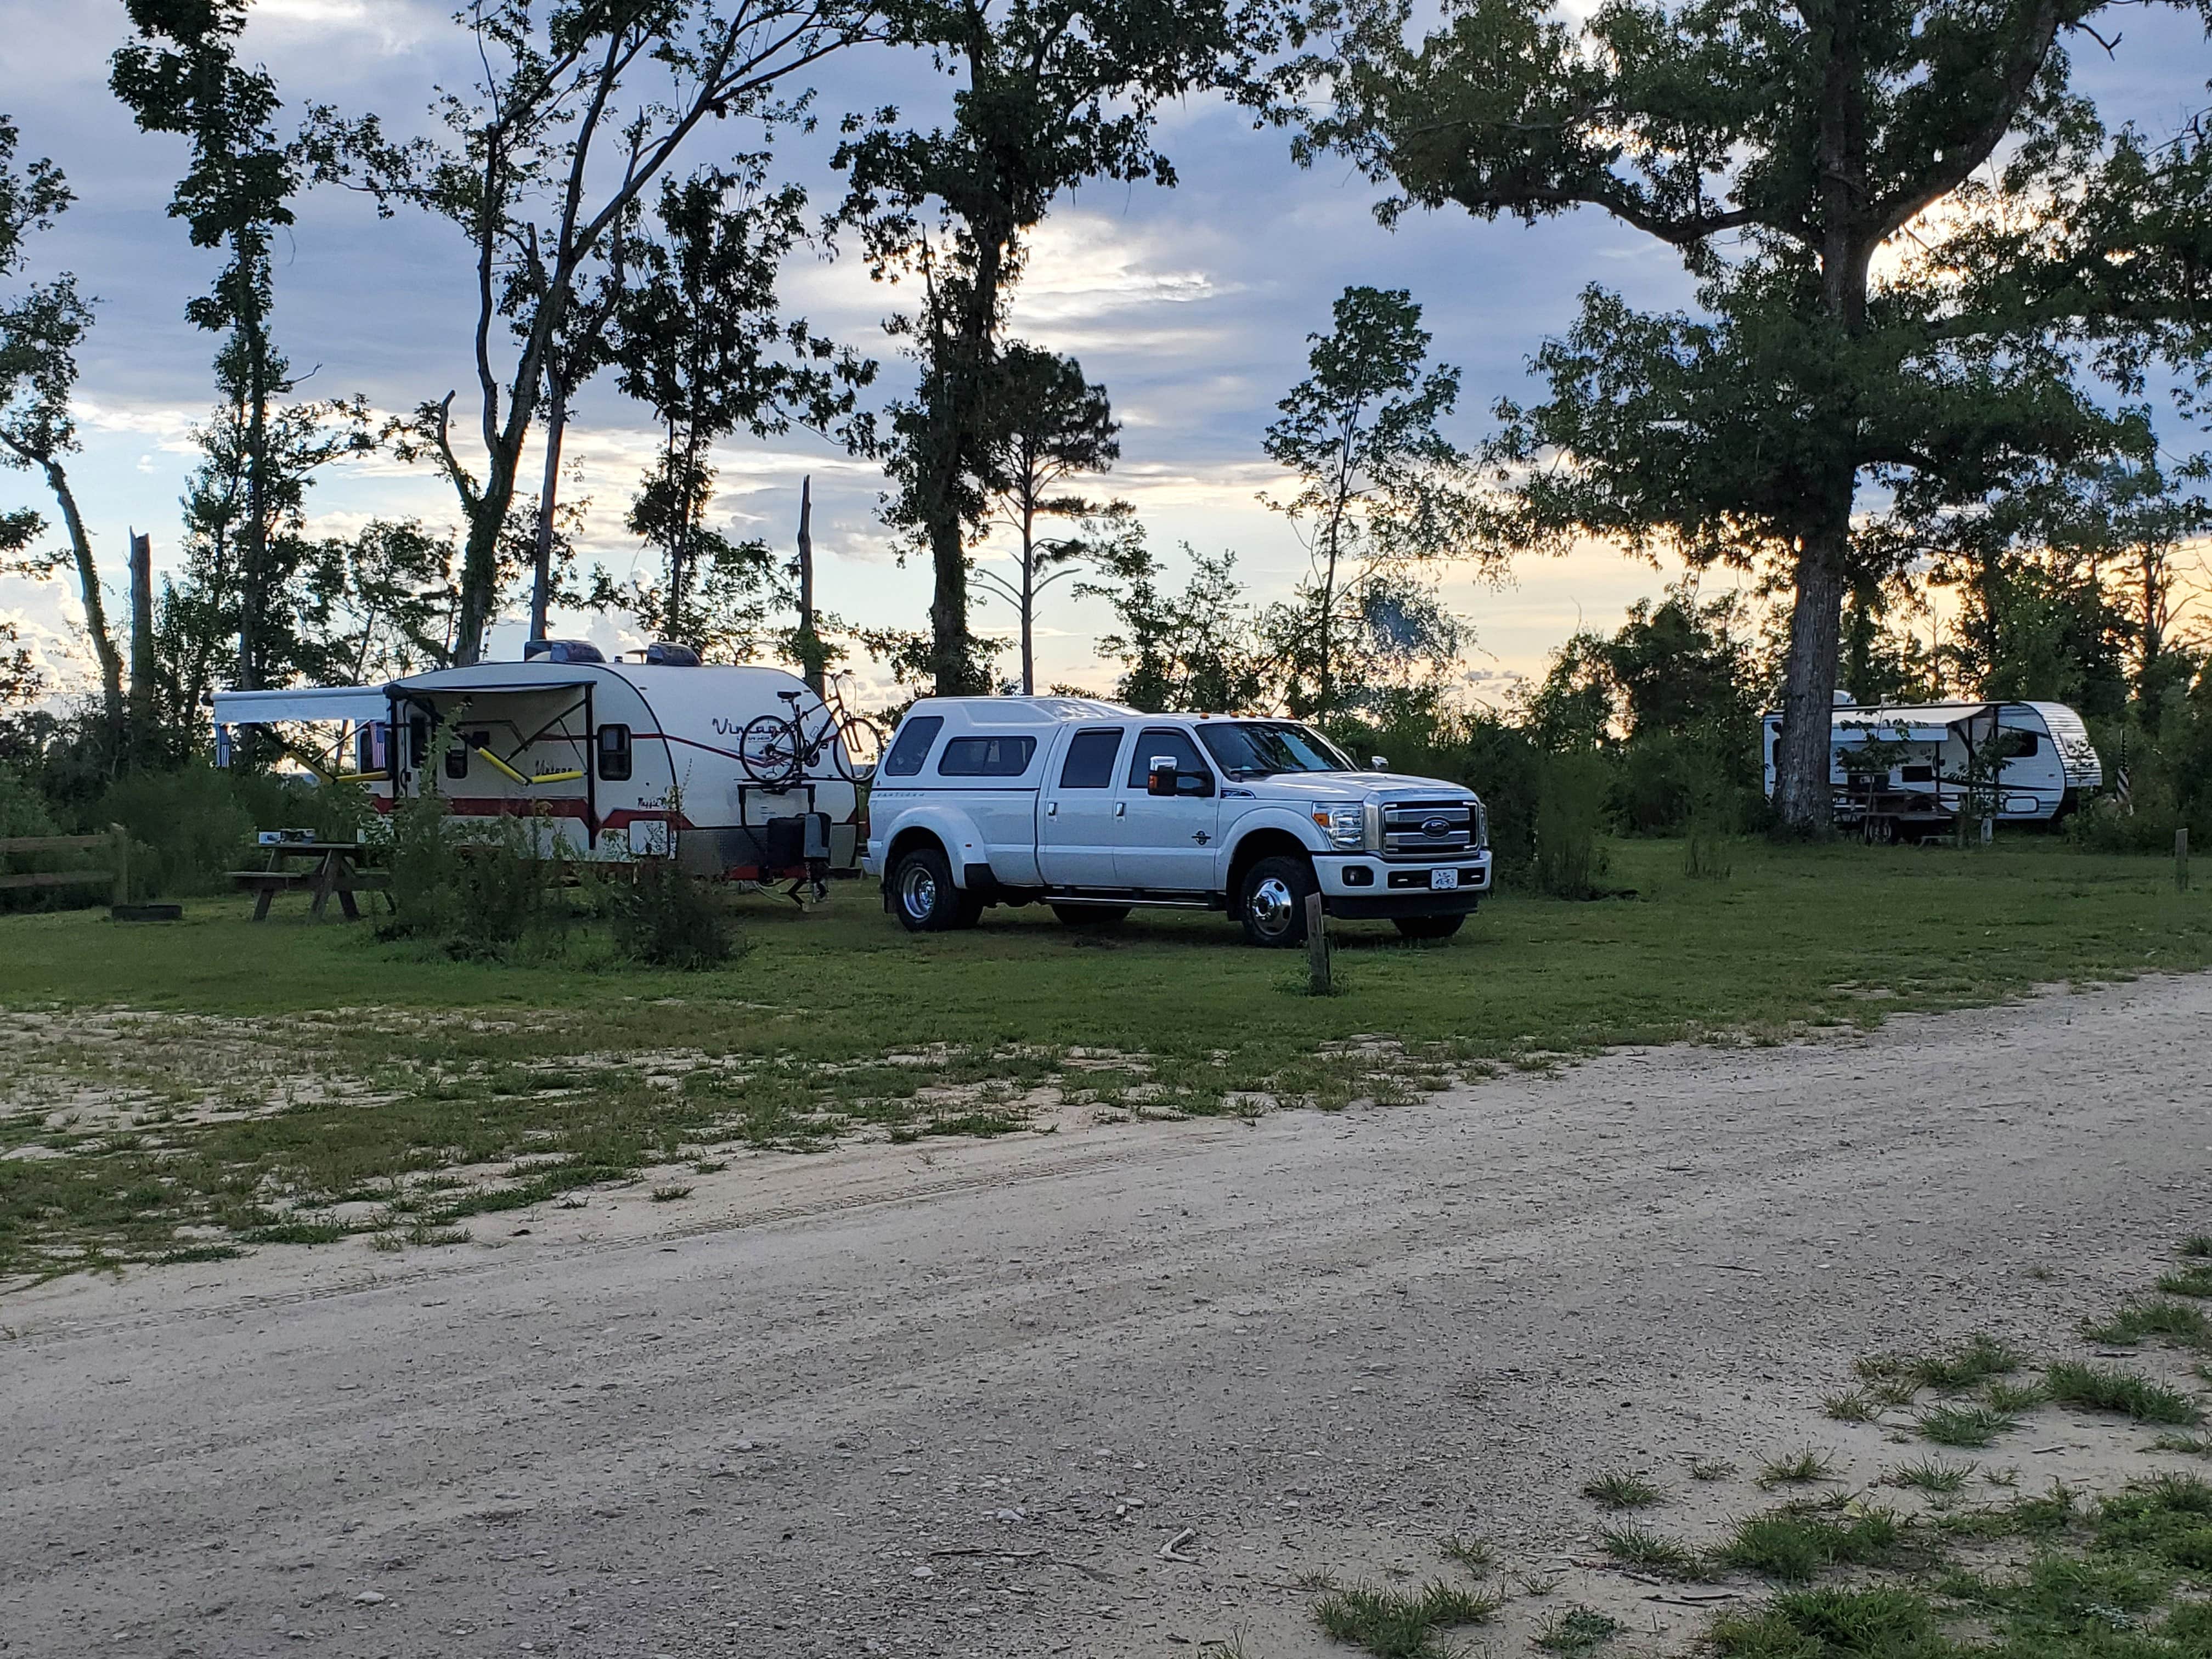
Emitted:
pixel 333 867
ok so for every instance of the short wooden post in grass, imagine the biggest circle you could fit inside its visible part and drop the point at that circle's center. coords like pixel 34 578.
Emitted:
pixel 1316 946
pixel 121 839
pixel 2181 858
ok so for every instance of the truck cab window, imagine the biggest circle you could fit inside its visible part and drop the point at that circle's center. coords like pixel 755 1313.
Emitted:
pixel 912 748
pixel 1196 779
pixel 1089 763
pixel 986 758
pixel 614 748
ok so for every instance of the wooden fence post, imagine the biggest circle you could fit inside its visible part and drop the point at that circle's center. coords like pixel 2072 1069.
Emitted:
pixel 2181 858
pixel 121 839
pixel 1317 947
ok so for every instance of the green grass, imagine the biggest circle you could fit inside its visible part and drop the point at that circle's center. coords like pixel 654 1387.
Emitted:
pixel 2195 1280
pixel 1930 1474
pixel 1971 1427
pixel 1799 1541
pixel 1400 1623
pixel 1634 1545
pixel 1800 1467
pixel 1575 1629
pixel 2108 1389
pixel 253 1102
pixel 2178 1321
pixel 1892 1622
pixel 1621 1489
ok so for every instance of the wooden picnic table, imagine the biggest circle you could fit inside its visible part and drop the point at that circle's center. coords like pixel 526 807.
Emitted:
pixel 334 866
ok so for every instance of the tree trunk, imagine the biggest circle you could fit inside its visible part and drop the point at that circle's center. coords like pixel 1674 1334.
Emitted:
pixel 1029 596
pixel 541 582
pixel 253 588
pixel 480 559
pixel 810 658
pixel 142 649
pixel 1804 799
pixel 95 611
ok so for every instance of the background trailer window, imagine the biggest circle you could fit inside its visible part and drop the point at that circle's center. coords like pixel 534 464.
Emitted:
pixel 614 753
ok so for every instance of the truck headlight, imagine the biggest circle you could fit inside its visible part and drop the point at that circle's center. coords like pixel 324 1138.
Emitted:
pixel 1345 826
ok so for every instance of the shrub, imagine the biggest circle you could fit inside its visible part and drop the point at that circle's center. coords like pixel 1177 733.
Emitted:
pixel 666 919
pixel 1570 812
pixel 187 827
pixel 476 894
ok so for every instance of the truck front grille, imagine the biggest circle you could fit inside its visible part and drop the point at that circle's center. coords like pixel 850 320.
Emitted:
pixel 1429 829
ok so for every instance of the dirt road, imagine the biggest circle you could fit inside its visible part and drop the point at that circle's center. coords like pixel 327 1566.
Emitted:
pixel 956 1401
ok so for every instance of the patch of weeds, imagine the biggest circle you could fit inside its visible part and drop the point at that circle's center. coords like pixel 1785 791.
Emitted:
pixel 709 1166
pixel 2108 1389
pixel 387 1244
pixel 1799 1541
pixel 1807 1624
pixel 1852 1405
pixel 201 1253
pixel 296 1233
pixel 426 1231
pixel 1576 1629
pixel 2003 1396
pixel 1887 1378
pixel 2190 1281
pixel 2169 1517
pixel 2042 1518
pixel 1538 1585
pixel 2177 1322
pixel 671 1193
pixel 975 1123
pixel 1968 1365
pixel 1635 1546
pixel 1969 1427
pixel 1400 1623
pixel 1621 1489
pixel 1473 1554
pixel 2197 1244
pixel 2196 1445
pixel 1930 1474
pixel 1799 1469
pixel 1710 1468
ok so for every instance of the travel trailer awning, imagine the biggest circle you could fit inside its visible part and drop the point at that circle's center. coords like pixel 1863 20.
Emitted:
pixel 480 688
pixel 311 702
pixel 1926 723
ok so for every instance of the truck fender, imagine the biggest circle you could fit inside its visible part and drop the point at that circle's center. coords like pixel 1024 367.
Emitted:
pixel 1270 826
pixel 954 830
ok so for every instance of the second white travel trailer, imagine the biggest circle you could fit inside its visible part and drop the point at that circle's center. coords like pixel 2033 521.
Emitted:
pixel 736 772
pixel 1910 768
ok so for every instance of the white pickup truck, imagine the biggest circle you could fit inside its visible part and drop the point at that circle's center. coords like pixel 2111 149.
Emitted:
pixel 1094 808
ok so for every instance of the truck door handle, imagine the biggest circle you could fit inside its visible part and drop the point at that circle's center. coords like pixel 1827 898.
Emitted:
pixel 1052 809
pixel 1121 807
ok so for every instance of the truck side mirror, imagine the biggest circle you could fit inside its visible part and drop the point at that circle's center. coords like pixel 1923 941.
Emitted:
pixel 1378 763
pixel 1161 778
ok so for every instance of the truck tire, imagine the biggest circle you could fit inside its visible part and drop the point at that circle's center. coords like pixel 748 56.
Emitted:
pixel 1428 927
pixel 1271 901
pixel 1092 915
pixel 924 897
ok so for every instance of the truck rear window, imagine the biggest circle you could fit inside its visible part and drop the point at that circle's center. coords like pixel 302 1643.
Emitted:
pixel 986 758
pixel 912 747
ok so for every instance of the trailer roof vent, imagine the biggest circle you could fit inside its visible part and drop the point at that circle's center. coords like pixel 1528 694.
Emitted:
pixel 561 651
pixel 662 655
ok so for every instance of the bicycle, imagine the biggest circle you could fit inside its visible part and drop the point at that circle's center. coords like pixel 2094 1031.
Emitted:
pixel 777 751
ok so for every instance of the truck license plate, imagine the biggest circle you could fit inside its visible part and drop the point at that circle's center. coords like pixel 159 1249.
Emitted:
pixel 1442 879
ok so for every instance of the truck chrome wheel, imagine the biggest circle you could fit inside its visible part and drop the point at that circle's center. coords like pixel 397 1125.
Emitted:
pixel 1271 906
pixel 1271 901
pixel 918 892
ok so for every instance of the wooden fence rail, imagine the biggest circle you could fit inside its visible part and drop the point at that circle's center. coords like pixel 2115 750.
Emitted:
pixel 115 839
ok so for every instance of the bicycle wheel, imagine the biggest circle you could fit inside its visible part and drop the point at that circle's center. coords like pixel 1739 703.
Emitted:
pixel 769 750
pixel 860 746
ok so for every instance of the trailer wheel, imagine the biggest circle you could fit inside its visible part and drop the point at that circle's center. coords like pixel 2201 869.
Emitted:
pixel 1270 903
pixel 925 898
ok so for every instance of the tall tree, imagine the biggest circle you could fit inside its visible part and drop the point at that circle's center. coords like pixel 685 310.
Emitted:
pixel 581 106
pixel 702 345
pixel 40 332
pixel 1779 150
pixel 182 75
pixel 1198 650
pixel 1382 491
pixel 1051 93
pixel 1052 425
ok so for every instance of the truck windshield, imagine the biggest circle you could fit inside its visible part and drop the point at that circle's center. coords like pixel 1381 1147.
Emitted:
pixel 1259 749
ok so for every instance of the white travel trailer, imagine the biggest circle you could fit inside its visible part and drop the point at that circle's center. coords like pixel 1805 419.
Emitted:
pixel 611 761
pixel 1906 767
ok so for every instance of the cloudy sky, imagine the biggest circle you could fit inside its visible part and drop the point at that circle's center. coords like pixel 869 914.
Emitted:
pixel 1193 306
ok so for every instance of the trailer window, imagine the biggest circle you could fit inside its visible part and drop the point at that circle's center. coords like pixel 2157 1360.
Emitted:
pixel 614 753
pixel 1090 762
pixel 1916 775
pixel 456 758
pixel 2019 745
pixel 418 739
pixel 912 747
pixel 986 758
